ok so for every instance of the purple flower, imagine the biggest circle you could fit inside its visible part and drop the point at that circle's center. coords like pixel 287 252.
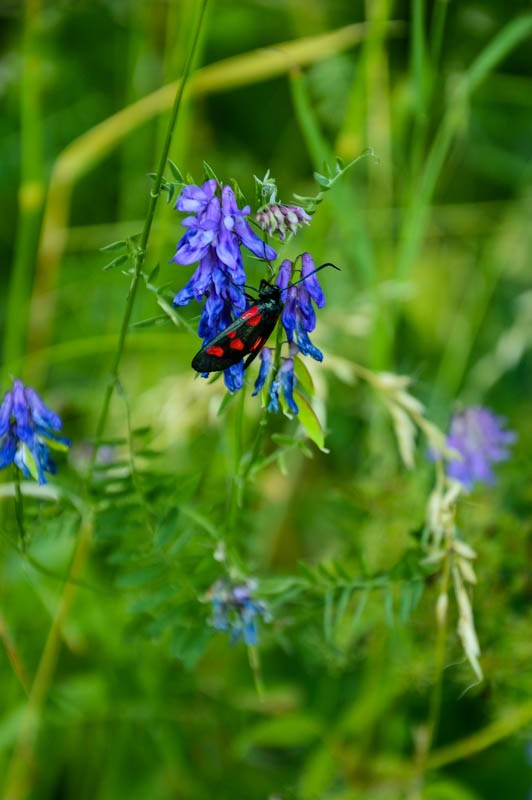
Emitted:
pixel 479 436
pixel 266 357
pixel 298 315
pixel 27 430
pixel 284 381
pixel 281 219
pixel 216 231
pixel 234 610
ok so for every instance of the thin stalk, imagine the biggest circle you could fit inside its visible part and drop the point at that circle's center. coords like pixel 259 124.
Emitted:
pixel 511 723
pixel 419 77
pixel 141 252
pixel 19 509
pixel 236 491
pixel 31 191
pixel 437 28
pixel 254 663
pixel 13 655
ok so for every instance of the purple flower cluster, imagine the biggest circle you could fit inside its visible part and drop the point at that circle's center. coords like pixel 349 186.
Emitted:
pixel 298 319
pixel 216 231
pixel 27 429
pixel 235 610
pixel 298 315
pixel 481 439
pixel 281 219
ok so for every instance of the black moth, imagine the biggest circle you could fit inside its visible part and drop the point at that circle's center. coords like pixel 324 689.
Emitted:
pixel 249 332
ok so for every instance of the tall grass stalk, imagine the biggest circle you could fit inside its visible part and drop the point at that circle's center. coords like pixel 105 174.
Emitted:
pixel 31 190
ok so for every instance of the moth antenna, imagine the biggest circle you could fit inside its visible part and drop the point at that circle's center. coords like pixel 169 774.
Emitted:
pixel 327 264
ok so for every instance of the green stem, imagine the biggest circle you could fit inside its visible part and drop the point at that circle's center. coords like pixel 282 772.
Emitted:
pixel 143 244
pixel 235 495
pixel 512 722
pixel 254 663
pixel 19 509
pixel 437 28
pixel 31 191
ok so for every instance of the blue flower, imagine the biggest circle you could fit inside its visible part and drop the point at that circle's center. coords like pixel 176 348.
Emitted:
pixel 266 357
pixel 284 381
pixel 27 429
pixel 298 315
pixel 281 219
pixel 235 610
pixel 216 231
pixel 480 438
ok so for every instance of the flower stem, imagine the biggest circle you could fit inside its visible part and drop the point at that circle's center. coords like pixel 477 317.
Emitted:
pixel 254 663
pixel 19 509
pixel 31 191
pixel 145 235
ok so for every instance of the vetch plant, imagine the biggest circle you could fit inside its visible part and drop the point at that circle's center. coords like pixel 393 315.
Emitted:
pixel 480 438
pixel 236 610
pixel 217 229
pixel 28 431
pixel 234 326
pixel 476 440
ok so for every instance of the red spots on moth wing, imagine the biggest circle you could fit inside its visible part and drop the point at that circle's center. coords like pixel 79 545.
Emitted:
pixel 236 344
pixel 231 334
pixel 251 312
pixel 215 350
pixel 254 320
pixel 256 344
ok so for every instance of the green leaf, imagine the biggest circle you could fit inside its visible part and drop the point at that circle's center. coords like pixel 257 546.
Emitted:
pixel 167 529
pixel 114 246
pixel 151 322
pixel 176 172
pixel 117 262
pixel 225 402
pixel 319 771
pixel 322 180
pixel 209 172
pixel 448 789
pixel 153 274
pixel 303 376
pixel 61 447
pixel 153 600
pixel 140 577
pixel 310 421
pixel 168 310
pixel 388 606
pixel 291 730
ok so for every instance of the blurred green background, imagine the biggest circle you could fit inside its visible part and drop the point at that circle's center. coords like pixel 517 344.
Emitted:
pixel 142 698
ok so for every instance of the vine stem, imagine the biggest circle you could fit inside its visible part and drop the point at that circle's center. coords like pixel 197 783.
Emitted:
pixel 19 773
pixel 143 244
pixel 19 509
